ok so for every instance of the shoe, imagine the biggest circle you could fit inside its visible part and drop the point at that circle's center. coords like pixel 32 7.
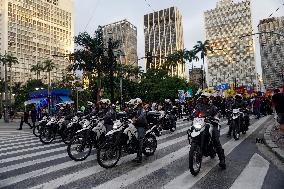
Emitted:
pixel 137 160
pixel 19 129
pixel 222 164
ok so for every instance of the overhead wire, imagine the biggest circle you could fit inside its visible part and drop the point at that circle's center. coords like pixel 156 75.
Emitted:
pixel 92 15
pixel 148 4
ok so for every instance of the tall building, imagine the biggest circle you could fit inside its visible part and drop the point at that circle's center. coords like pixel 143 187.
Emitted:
pixel 272 51
pixel 163 32
pixel 126 34
pixel 33 31
pixel 195 76
pixel 233 59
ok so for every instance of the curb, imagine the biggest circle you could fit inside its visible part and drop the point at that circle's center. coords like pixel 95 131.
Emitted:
pixel 271 144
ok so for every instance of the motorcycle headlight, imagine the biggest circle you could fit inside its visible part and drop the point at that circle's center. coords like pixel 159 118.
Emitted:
pixel 197 126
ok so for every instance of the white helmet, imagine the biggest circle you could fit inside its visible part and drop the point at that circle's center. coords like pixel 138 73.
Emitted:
pixel 89 103
pixel 167 101
pixel 105 101
pixel 137 101
pixel 239 95
pixel 206 95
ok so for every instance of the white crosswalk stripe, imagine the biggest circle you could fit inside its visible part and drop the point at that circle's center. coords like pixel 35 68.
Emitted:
pixel 28 161
pixel 253 175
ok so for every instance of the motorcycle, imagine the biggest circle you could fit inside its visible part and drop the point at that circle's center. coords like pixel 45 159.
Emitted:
pixel 124 137
pixel 71 129
pixel 53 127
pixel 41 123
pixel 167 121
pixel 200 139
pixel 238 124
pixel 91 135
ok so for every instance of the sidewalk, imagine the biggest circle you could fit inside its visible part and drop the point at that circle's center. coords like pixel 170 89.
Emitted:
pixel 271 137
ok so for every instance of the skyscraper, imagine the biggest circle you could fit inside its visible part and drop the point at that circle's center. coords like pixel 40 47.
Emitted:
pixel 126 34
pixel 233 59
pixel 163 32
pixel 33 31
pixel 272 51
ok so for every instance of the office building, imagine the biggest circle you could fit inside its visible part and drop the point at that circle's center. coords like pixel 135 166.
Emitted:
pixel 126 34
pixel 229 30
pixel 272 51
pixel 36 30
pixel 163 32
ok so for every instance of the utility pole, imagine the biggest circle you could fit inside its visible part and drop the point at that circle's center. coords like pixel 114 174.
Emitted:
pixel 111 61
pixel 6 117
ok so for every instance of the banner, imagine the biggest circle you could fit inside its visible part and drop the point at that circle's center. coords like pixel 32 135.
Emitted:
pixel 223 87
pixel 189 93
pixel 181 96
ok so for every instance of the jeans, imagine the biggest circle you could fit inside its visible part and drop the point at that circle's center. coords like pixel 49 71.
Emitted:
pixel 141 134
pixel 257 112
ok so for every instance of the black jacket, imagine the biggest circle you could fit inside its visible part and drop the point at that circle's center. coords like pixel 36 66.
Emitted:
pixel 141 120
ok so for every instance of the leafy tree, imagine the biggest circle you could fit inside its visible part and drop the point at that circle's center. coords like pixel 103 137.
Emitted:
pixel 203 48
pixel 37 69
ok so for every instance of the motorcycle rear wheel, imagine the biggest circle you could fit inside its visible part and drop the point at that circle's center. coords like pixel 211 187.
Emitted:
pixel 149 145
pixel 81 145
pixel 47 135
pixel 107 152
pixel 195 159
pixel 67 135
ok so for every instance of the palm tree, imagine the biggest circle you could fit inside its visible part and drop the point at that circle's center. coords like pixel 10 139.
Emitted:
pixel 37 69
pixel 7 60
pixel 48 65
pixel 203 48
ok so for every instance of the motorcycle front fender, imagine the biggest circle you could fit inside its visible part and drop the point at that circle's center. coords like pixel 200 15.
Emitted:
pixel 81 130
pixel 195 133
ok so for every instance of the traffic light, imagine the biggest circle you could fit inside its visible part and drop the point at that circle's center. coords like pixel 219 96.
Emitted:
pixel 149 58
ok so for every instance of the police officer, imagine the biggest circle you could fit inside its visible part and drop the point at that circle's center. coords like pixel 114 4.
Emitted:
pixel 211 111
pixel 140 122
pixel 109 114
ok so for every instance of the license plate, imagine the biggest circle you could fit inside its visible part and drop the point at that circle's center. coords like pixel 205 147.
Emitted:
pixel 198 120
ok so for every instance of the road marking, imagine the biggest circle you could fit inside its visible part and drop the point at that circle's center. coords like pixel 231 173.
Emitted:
pixel 253 175
pixel 31 155
pixel 42 146
pixel 186 180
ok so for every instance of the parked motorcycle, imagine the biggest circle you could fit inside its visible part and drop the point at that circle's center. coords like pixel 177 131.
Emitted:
pixel 41 123
pixel 167 121
pixel 91 135
pixel 124 137
pixel 238 123
pixel 53 127
pixel 200 138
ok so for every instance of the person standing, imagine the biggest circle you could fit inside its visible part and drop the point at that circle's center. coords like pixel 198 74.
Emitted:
pixel 140 122
pixel 33 115
pixel 278 103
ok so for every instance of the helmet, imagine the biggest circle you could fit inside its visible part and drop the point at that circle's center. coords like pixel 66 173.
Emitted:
pixel 105 101
pixel 239 96
pixel 167 101
pixel 89 103
pixel 205 95
pixel 137 101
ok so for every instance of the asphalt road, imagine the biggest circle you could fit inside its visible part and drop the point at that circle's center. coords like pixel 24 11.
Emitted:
pixel 26 163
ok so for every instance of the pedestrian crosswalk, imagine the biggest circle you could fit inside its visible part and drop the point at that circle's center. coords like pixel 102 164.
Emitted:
pixel 26 163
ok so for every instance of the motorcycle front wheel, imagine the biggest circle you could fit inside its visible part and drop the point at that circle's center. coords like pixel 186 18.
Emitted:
pixel 47 134
pixel 174 127
pixel 195 159
pixel 149 145
pixel 236 130
pixel 79 148
pixel 108 155
pixel 36 130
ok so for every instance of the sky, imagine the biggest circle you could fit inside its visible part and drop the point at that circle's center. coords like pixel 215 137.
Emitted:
pixel 89 14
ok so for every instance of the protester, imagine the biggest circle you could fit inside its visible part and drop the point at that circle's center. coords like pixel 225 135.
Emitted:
pixel 33 115
pixel 25 120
